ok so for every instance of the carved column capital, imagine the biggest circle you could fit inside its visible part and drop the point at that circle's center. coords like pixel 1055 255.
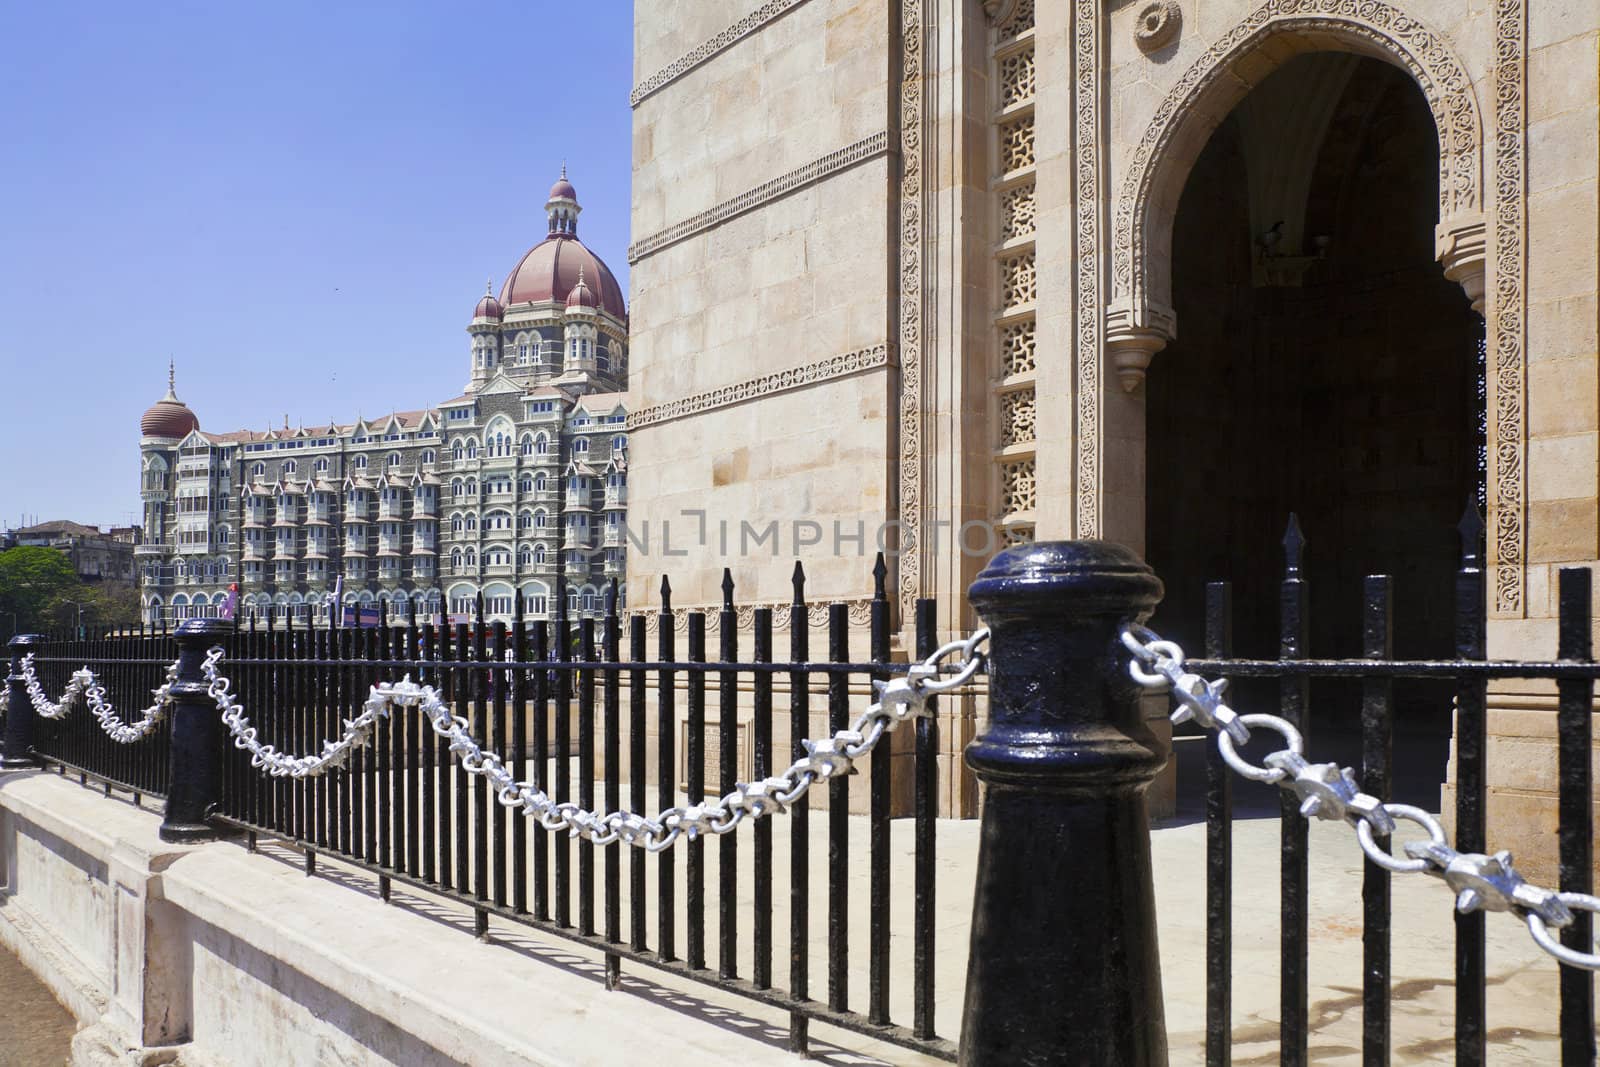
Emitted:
pixel 999 10
pixel 1133 336
pixel 1461 246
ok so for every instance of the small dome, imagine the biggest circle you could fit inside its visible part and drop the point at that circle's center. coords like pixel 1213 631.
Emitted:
pixel 580 294
pixel 169 416
pixel 488 307
pixel 562 189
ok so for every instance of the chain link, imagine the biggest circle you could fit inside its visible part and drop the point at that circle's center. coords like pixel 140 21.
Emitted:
pixel 85 687
pixel 899 699
pixel 1328 791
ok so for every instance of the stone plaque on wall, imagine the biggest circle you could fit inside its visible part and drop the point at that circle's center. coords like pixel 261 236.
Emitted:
pixel 712 761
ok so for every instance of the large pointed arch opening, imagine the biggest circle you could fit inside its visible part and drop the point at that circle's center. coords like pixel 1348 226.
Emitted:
pixel 1325 365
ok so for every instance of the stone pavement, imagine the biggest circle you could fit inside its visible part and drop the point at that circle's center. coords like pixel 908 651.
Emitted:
pixel 34 1028
pixel 1522 980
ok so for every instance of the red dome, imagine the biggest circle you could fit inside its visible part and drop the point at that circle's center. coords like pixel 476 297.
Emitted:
pixel 488 308
pixel 581 295
pixel 168 417
pixel 562 189
pixel 550 271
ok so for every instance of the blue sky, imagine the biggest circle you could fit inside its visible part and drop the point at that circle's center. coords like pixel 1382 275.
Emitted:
pixel 297 202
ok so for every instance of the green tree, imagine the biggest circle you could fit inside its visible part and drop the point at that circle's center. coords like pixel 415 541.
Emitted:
pixel 33 581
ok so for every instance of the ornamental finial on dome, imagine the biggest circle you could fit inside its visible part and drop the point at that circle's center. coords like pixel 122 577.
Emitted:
pixel 169 416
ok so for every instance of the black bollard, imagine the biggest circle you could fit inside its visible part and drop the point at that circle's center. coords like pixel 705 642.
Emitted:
pixel 1063 968
pixel 195 785
pixel 20 717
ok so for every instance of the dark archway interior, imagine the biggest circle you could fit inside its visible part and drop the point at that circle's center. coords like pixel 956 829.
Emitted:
pixel 1336 379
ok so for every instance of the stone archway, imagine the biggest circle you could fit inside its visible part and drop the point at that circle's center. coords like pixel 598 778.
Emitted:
pixel 1139 317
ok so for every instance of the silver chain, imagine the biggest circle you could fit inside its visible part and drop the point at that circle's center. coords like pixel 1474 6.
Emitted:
pixel 1328 791
pixel 85 686
pixel 901 698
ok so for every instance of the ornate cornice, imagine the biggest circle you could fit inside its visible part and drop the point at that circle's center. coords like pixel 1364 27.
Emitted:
pixel 752 22
pixel 778 382
pixel 818 169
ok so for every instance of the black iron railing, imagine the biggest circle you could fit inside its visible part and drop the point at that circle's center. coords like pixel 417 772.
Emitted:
pixel 1465 683
pixel 574 717
pixel 1062 967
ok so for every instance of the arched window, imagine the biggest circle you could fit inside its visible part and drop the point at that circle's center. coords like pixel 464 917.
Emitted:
pixel 472 450
pixel 539 482
pixel 525 485
pixel 290 467
pixel 524 520
pixel 428 455
pixel 457 451
pixel 456 524
pixel 538 520
pixel 455 559
pixel 527 444
pixel 541 446
pixel 259 470
pixel 361 463
pixel 394 459
pixel 472 522
pixel 222 536
pixel 472 487
pixel 619 444
pixel 470 557
pixel 581 446
pixel 524 556
pixel 322 465
pixel 538 554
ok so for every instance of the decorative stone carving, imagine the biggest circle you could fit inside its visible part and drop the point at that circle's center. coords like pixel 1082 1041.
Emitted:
pixel 912 123
pixel 1157 25
pixel 1017 486
pixel 1019 281
pixel 1017 343
pixel 1017 411
pixel 1017 212
pixel 1507 337
pixel 1132 341
pixel 999 11
pixel 1016 144
pixel 722 41
pixel 1370 27
pixel 1018 76
pixel 1462 248
pixel 777 382
pixel 830 164
pixel 1088 248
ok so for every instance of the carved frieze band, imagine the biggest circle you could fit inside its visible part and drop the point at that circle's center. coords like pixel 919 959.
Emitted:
pixel 1088 253
pixel 913 129
pixel 832 163
pixel 752 22
pixel 1508 312
pixel 778 382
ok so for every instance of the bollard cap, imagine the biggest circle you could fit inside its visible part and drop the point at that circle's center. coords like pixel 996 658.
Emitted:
pixel 1067 578
pixel 25 641
pixel 204 629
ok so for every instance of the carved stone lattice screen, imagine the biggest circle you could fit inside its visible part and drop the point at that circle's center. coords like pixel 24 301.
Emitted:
pixel 1013 78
